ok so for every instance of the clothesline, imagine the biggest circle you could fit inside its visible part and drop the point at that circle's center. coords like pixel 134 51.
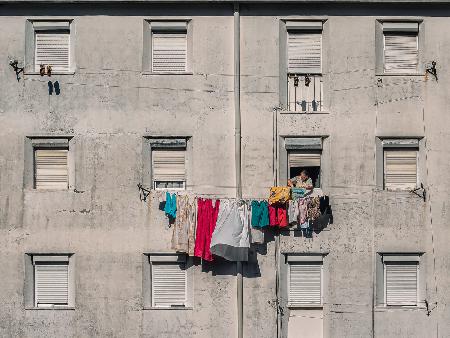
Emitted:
pixel 225 226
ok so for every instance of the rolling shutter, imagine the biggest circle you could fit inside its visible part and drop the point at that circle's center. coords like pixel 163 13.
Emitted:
pixel 168 165
pixel 51 284
pixel 169 52
pixel 303 160
pixel 400 169
pixel 169 285
pixel 401 284
pixel 53 48
pixel 401 53
pixel 51 170
pixel 304 52
pixel 305 284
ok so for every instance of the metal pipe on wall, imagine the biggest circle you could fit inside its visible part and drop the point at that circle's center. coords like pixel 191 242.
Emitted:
pixel 237 146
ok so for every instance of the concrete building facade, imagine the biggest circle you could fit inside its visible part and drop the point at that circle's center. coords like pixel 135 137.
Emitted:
pixel 109 106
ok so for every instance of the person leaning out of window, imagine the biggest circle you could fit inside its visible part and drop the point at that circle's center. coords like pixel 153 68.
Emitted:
pixel 303 181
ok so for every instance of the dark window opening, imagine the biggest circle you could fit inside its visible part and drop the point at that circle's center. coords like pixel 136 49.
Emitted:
pixel 314 173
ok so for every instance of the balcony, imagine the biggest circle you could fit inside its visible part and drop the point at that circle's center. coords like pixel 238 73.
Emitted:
pixel 305 93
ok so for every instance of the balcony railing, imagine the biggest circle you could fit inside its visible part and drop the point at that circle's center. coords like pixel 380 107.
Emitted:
pixel 305 93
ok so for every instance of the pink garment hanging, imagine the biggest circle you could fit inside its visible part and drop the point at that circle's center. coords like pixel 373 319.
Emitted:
pixel 303 210
pixel 206 222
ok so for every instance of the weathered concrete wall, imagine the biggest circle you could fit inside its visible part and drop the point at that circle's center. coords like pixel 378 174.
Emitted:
pixel 108 107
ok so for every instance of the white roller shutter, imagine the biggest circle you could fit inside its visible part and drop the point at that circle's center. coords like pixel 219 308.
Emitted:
pixel 169 165
pixel 400 169
pixel 53 48
pixel 51 170
pixel 51 284
pixel 401 53
pixel 169 285
pixel 401 284
pixel 302 160
pixel 169 52
pixel 305 284
pixel 304 52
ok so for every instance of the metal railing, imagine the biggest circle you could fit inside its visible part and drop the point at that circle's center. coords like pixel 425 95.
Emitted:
pixel 305 93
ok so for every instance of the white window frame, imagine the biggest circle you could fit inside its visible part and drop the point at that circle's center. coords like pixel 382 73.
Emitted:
pixel 293 259
pixel 54 260
pixel 400 259
pixel 400 144
pixel 167 258
pixel 401 28
pixel 155 182
pixel 305 27
pixel 35 26
pixel 169 27
pixel 35 149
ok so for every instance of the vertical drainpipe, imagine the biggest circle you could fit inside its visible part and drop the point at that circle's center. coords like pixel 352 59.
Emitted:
pixel 237 148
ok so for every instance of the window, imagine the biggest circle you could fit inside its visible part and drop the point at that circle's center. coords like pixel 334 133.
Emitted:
pixel 52 46
pixel 401 279
pixel 169 47
pixel 51 168
pixel 401 47
pixel 309 161
pixel 51 281
pixel 400 159
pixel 304 154
pixel 168 168
pixel 168 162
pixel 304 54
pixel 305 281
pixel 169 283
pixel 49 163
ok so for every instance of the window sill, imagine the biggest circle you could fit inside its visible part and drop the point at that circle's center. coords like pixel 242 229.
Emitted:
pixel 53 73
pixel 169 308
pixel 167 73
pixel 383 308
pixel 71 308
pixel 399 74
pixel 321 112
pixel 305 307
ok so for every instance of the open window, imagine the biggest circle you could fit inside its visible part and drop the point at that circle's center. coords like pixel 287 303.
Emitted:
pixel 304 154
pixel 305 160
pixel 304 63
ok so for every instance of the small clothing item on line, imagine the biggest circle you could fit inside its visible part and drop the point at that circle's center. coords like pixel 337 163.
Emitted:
pixel 206 222
pixel 293 212
pixel 313 212
pixel 260 214
pixel 278 216
pixel 183 236
pixel 230 239
pixel 298 193
pixel 170 207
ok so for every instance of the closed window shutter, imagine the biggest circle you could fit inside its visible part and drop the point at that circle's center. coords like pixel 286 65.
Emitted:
pixel 400 169
pixel 305 284
pixel 168 165
pixel 169 285
pixel 51 170
pixel 304 53
pixel 401 284
pixel 169 52
pixel 51 284
pixel 53 49
pixel 303 160
pixel 401 53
